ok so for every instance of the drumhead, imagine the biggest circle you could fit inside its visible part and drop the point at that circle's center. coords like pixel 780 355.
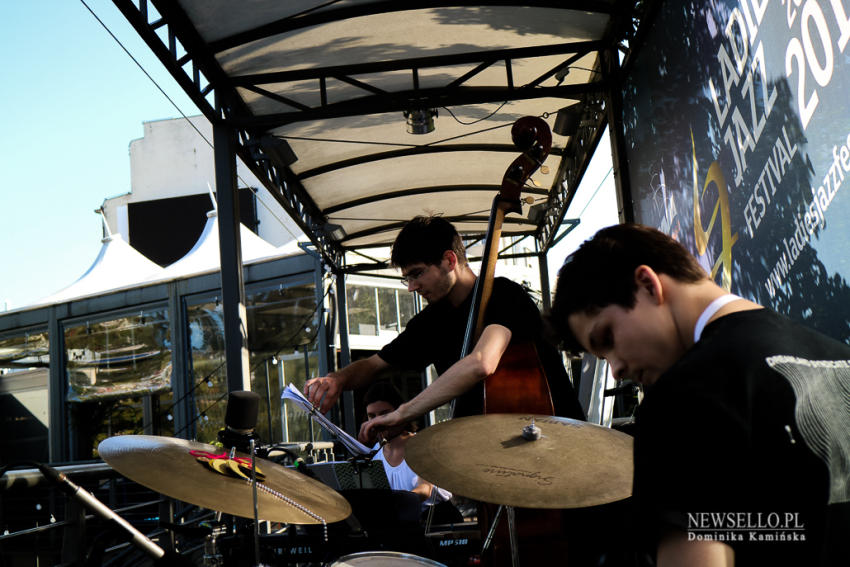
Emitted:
pixel 384 559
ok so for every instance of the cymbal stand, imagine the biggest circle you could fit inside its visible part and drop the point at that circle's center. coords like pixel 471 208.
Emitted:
pixel 489 539
pixel 510 512
pixel 256 509
pixel 212 555
pixel 432 501
pixel 512 535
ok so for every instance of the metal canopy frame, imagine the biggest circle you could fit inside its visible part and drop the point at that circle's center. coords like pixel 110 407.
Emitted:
pixel 247 79
pixel 173 37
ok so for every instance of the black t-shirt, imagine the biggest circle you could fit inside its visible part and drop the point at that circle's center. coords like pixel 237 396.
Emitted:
pixel 435 336
pixel 746 440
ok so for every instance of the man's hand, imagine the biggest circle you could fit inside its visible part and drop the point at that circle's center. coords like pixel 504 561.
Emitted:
pixel 323 392
pixel 326 390
pixel 370 430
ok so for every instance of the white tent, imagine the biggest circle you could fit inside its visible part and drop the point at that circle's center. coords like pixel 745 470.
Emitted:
pixel 205 256
pixel 118 265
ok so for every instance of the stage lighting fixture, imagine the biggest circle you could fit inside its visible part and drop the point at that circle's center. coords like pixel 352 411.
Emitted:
pixel 335 231
pixel 567 121
pixel 420 121
pixel 278 151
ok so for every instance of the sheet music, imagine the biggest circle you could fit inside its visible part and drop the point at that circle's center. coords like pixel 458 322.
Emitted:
pixel 354 446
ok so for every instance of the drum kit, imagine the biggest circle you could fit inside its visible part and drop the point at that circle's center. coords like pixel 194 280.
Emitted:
pixel 512 460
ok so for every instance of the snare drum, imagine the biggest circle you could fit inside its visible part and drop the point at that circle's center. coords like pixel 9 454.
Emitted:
pixel 384 559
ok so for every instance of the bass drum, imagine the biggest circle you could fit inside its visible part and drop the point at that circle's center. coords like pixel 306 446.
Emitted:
pixel 384 559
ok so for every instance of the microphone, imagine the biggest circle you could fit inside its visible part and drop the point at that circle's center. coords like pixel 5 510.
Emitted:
pixel 88 500
pixel 240 419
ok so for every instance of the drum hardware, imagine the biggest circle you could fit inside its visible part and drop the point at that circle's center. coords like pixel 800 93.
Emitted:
pixel 511 514
pixel 455 545
pixel 212 554
pixel 432 501
pixel 252 446
pixel 89 501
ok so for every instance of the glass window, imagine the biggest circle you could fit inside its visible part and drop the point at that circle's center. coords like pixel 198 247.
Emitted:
pixel 24 416
pixel 406 308
pixel 282 324
pixel 297 368
pixel 362 310
pixel 207 392
pixel 388 309
pixel 119 378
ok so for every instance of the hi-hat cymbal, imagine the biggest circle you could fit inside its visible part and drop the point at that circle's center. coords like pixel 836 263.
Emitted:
pixel 165 465
pixel 573 465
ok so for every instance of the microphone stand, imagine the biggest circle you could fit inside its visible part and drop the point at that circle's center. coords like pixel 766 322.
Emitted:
pixel 256 508
pixel 86 498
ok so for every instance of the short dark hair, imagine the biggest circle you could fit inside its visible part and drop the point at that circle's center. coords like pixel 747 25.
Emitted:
pixel 601 272
pixel 426 239
pixel 383 392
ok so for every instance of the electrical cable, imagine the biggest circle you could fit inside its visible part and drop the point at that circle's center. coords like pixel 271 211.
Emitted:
pixel 598 187
pixel 185 117
pixel 459 121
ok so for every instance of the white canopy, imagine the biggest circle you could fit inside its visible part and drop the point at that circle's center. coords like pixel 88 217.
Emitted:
pixel 118 265
pixel 205 255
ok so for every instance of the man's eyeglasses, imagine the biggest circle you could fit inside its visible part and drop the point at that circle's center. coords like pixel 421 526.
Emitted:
pixel 413 275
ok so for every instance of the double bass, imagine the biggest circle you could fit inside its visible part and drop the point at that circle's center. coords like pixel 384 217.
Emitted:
pixel 519 384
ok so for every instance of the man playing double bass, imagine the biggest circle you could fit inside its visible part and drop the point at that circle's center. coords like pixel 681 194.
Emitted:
pixel 430 254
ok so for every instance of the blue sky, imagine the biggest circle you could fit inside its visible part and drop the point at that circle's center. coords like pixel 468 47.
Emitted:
pixel 72 102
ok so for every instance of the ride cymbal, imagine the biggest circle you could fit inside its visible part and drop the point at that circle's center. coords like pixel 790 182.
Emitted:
pixel 573 464
pixel 168 465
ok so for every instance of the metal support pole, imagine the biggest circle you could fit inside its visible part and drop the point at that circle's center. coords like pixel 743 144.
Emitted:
pixel 180 373
pixel 57 432
pixel 269 400
pixel 344 353
pixel 307 377
pixel 148 417
pixel 74 536
pixel 321 331
pixel 614 105
pixel 545 291
pixel 230 249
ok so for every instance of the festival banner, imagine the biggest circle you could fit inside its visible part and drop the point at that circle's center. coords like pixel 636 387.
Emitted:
pixel 737 127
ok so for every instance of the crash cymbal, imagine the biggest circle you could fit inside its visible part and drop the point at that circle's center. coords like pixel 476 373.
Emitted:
pixel 164 464
pixel 573 464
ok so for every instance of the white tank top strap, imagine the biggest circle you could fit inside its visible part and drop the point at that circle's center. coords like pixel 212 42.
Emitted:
pixel 712 308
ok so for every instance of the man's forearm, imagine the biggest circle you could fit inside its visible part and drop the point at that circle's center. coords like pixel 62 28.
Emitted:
pixel 357 374
pixel 463 374
pixel 459 378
